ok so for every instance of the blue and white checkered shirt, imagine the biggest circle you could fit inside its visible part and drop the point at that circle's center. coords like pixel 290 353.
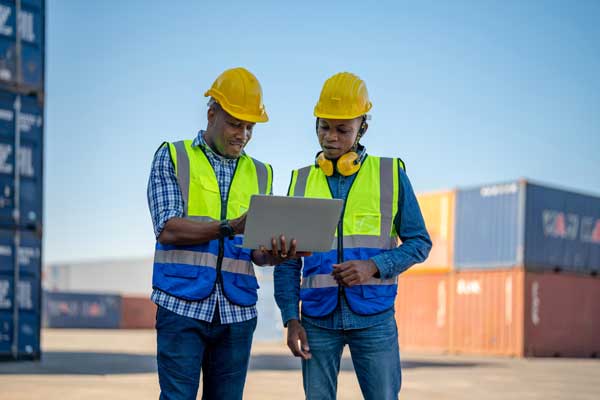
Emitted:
pixel 165 202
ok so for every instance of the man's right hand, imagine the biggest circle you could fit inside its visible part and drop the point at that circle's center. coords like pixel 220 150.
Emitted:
pixel 239 224
pixel 295 334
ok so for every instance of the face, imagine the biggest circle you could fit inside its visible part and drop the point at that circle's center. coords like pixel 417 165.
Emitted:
pixel 337 136
pixel 226 134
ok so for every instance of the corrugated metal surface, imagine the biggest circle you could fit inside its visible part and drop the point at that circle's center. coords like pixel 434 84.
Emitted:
pixel 29 315
pixel 489 226
pixel 29 252
pixel 438 212
pixel 562 315
pixel 137 313
pixel 31 27
pixel 487 312
pixel 562 230
pixel 422 312
pixel 79 310
pixel 30 157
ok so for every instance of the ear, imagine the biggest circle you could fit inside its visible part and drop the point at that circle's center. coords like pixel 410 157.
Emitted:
pixel 211 115
pixel 363 129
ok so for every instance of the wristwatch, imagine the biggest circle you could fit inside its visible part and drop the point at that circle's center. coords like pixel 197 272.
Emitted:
pixel 225 230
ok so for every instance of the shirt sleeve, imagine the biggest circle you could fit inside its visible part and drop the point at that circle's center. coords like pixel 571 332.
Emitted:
pixel 286 279
pixel 411 229
pixel 164 196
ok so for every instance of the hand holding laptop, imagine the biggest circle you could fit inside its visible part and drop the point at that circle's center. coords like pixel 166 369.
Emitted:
pixel 279 252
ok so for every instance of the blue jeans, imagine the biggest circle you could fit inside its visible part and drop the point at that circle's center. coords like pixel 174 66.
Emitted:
pixel 186 345
pixel 375 356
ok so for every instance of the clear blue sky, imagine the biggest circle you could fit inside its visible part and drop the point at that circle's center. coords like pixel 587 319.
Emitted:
pixel 465 93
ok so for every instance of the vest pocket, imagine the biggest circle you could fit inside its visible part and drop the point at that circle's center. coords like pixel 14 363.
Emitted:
pixel 181 271
pixel 368 291
pixel 246 281
pixel 366 224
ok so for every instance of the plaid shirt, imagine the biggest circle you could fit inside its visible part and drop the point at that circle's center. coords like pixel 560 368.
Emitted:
pixel 165 202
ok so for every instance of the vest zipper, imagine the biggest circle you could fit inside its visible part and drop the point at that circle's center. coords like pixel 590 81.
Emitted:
pixel 222 240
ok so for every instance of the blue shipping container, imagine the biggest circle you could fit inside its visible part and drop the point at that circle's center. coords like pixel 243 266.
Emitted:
pixel 28 317
pixel 30 159
pixel 31 29
pixel 81 310
pixel 29 254
pixel 524 224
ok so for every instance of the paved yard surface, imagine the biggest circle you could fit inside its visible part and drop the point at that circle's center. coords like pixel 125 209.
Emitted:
pixel 106 364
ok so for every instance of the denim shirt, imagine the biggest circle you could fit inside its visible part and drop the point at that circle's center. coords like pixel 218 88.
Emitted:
pixel 414 249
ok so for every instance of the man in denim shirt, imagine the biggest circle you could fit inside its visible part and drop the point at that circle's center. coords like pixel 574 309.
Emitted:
pixel 348 293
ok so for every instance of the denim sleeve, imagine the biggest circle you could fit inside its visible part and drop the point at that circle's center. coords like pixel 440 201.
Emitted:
pixel 411 229
pixel 164 196
pixel 286 277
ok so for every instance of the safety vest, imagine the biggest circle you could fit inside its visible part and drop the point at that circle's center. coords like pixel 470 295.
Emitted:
pixel 191 272
pixel 365 230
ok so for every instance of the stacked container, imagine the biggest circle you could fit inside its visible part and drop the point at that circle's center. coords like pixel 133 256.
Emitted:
pixel 523 279
pixel 21 175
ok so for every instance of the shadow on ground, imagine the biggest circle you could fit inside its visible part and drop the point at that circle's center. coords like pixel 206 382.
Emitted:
pixel 83 363
pixel 270 362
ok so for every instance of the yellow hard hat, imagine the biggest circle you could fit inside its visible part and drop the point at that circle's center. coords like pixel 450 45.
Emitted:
pixel 344 96
pixel 239 93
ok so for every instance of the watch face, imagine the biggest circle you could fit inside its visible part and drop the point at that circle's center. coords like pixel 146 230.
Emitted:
pixel 225 229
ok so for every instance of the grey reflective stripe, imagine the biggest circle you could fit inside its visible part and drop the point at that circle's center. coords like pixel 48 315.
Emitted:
pixel 200 259
pixel 185 257
pixel 327 280
pixel 183 173
pixel 377 281
pixel 301 181
pixel 386 195
pixel 237 266
pixel 200 219
pixel 318 281
pixel 263 176
pixel 373 242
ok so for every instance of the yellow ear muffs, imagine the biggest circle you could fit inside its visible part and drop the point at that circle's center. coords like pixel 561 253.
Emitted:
pixel 325 164
pixel 348 164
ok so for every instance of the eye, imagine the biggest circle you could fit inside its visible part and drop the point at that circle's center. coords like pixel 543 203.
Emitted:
pixel 324 127
pixel 234 124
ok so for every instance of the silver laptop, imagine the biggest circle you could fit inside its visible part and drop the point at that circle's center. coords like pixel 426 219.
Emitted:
pixel 312 222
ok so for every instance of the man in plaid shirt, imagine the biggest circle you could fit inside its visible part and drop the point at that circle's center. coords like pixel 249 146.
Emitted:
pixel 204 285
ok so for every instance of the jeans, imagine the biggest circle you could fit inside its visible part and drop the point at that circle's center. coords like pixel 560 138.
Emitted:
pixel 375 356
pixel 186 345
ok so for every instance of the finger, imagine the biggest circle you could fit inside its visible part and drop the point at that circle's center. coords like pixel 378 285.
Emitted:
pixel 292 250
pixel 347 272
pixel 274 250
pixel 283 247
pixel 305 348
pixel 342 266
pixel 351 281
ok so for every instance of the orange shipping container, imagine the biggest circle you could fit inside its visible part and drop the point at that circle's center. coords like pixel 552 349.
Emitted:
pixel 137 313
pixel 438 212
pixel 422 312
pixel 517 313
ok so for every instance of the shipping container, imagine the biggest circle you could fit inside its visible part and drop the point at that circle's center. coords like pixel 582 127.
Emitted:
pixel 27 318
pixel 129 277
pixel 521 224
pixel 422 312
pixel 22 64
pixel 562 315
pixel 519 313
pixel 487 312
pixel 29 254
pixel 438 212
pixel 29 158
pixel 137 313
pixel 82 310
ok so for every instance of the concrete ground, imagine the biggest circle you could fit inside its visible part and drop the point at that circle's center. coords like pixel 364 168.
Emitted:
pixel 112 364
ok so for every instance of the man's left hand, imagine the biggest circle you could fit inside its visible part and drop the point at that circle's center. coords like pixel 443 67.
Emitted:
pixel 354 272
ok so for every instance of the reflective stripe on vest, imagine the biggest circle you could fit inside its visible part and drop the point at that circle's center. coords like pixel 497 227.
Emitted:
pixel 368 230
pixel 190 272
